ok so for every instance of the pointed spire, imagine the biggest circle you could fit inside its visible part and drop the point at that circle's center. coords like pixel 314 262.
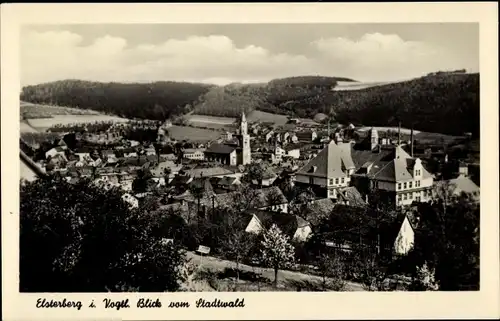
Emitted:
pixel 243 118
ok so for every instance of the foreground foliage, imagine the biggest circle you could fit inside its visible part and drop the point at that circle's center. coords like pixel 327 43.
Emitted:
pixel 78 238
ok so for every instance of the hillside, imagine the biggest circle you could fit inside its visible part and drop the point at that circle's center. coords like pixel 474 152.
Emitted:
pixel 231 100
pixel 445 103
pixel 158 100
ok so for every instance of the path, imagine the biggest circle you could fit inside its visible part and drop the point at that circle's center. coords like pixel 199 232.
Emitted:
pixel 284 277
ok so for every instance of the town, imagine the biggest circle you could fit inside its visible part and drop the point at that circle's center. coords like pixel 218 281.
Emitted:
pixel 302 177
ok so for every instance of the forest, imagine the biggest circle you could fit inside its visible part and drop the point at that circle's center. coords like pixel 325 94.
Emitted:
pixel 443 103
pixel 157 101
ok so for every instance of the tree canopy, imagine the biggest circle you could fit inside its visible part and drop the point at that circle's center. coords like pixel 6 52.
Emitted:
pixel 79 238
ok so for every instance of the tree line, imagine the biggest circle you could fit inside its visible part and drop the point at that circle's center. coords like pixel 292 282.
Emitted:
pixel 157 100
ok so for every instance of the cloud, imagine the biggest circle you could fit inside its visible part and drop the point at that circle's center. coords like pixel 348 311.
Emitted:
pixel 56 55
pixel 380 57
pixel 48 56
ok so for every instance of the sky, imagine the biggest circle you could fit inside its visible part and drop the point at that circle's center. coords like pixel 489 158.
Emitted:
pixel 227 53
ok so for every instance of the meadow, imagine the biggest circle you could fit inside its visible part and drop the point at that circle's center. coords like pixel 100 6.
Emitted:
pixel 43 124
pixel 192 133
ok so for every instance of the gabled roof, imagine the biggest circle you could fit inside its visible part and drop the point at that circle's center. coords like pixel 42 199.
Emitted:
pixel 352 196
pixel 333 161
pixel 399 169
pixel 319 209
pixel 287 223
pixel 208 171
pixel 220 149
pixel 464 184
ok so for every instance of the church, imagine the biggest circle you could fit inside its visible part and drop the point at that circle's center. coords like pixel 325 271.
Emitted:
pixel 235 151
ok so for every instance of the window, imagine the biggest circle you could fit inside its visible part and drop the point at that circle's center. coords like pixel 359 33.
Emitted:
pixel 417 184
pixel 399 197
pixel 404 185
pixel 405 196
pixel 336 181
pixel 410 196
pixel 410 184
pixel 342 180
pixel 417 198
pixel 417 172
pixel 399 185
pixel 331 181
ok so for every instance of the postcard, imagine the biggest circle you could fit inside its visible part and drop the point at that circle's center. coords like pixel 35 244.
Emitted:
pixel 250 161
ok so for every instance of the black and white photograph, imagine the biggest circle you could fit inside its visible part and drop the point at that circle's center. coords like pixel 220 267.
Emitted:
pixel 319 157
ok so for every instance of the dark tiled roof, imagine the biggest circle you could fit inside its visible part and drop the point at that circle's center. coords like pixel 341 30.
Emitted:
pixel 352 196
pixel 319 209
pixel 220 149
pixel 287 223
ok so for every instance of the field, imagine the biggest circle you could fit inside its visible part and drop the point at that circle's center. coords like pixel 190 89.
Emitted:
pixel 347 85
pixel 32 111
pixel 192 134
pixel 404 131
pixel 212 122
pixel 225 122
pixel 263 116
pixel 422 137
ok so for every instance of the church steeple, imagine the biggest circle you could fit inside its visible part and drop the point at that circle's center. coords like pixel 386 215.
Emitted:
pixel 245 139
pixel 243 125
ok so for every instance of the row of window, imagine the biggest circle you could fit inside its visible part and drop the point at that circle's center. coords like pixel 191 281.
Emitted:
pixel 409 196
pixel 342 180
pixel 406 185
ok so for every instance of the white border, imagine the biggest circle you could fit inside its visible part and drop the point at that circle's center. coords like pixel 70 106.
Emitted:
pixel 482 304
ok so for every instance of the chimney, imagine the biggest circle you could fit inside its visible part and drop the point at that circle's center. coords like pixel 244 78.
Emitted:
pixel 411 141
pixel 399 133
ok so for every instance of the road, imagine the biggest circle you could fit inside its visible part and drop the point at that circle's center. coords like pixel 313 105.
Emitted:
pixel 284 277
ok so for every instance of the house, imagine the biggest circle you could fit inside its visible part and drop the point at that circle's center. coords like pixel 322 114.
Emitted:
pixel 194 153
pixel 405 237
pixel 211 172
pixel 277 155
pixel 130 200
pixel 59 150
pixel 293 226
pixel 236 152
pixel 330 170
pixel 391 238
pixel 221 153
pixel 318 210
pixel 293 151
pixel 350 196
pixel 306 136
pixel 165 167
pixel 463 184
pixel 107 153
pixel 404 177
pixel 269 135
pixel 150 151
pixel 270 198
pixel 228 183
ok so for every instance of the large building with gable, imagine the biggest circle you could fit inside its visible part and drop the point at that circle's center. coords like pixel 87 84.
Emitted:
pixel 234 151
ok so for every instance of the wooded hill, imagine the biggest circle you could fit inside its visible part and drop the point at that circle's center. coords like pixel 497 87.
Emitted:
pixel 157 100
pixel 444 103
